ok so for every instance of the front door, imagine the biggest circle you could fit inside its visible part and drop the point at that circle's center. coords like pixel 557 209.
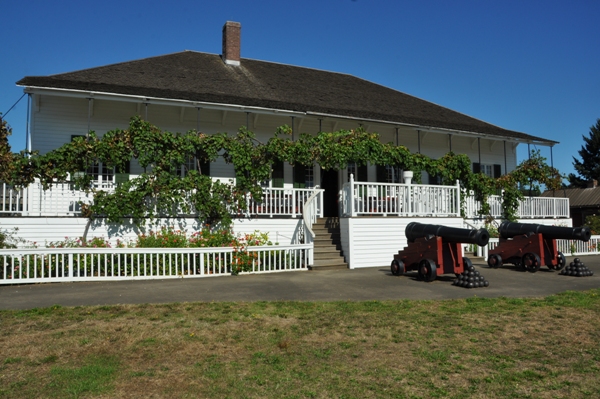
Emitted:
pixel 329 183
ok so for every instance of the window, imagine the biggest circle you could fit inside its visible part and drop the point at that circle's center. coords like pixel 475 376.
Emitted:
pixel 104 174
pixel 359 172
pixel 192 164
pixel 437 179
pixel 487 169
pixel 304 176
pixel 389 174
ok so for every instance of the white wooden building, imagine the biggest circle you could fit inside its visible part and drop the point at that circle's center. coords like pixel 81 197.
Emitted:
pixel 220 93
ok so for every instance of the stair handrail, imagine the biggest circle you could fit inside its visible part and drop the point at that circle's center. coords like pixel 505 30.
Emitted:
pixel 308 212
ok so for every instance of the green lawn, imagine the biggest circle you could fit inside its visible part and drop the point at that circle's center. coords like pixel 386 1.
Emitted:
pixel 474 348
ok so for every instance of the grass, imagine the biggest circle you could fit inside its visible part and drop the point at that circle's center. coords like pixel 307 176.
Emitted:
pixel 473 348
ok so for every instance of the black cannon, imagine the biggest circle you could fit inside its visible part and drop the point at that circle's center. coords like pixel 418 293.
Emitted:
pixel 416 230
pixel 433 250
pixel 531 245
pixel 512 229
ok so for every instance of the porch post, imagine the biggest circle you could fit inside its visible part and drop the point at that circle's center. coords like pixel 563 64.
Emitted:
pixel 505 163
pixel 407 176
pixel 351 196
pixel 457 197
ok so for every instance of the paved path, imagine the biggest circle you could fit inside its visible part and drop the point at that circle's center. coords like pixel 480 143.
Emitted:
pixel 337 285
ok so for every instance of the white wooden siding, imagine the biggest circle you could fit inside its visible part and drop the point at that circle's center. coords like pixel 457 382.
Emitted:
pixel 57 119
pixel 42 230
pixel 372 242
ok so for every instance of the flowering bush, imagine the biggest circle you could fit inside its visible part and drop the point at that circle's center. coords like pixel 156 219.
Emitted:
pixel 165 238
pixel 95 242
pixel 207 238
pixel 9 239
pixel 241 260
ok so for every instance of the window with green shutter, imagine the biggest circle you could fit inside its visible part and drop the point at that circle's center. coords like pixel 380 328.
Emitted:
pixel 277 175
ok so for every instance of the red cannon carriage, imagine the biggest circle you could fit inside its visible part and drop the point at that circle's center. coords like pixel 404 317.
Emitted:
pixel 434 250
pixel 533 245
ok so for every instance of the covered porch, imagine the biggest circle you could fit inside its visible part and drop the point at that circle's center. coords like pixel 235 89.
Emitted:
pixel 355 199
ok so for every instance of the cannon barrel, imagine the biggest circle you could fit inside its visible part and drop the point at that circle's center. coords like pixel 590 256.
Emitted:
pixel 512 229
pixel 416 230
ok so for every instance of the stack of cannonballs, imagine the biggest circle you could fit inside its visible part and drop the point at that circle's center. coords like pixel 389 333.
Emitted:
pixel 577 269
pixel 470 278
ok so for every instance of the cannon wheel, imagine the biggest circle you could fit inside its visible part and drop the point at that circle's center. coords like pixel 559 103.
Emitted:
pixel 562 261
pixel 531 262
pixel 427 270
pixel 494 261
pixel 397 267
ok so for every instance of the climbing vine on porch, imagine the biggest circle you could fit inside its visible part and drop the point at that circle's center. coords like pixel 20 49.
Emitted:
pixel 161 191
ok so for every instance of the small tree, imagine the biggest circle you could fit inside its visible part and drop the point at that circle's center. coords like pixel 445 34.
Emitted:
pixel 588 167
pixel 6 155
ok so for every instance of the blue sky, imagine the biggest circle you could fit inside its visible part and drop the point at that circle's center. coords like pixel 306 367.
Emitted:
pixel 530 65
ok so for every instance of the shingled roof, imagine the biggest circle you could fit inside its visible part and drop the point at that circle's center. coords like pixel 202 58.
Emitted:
pixel 578 197
pixel 202 77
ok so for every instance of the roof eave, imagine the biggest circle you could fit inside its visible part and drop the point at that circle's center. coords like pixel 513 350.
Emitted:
pixel 262 110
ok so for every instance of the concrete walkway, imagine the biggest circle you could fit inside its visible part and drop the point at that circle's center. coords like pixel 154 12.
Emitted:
pixel 375 283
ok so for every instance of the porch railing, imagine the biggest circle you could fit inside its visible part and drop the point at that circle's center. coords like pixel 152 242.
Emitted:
pixel 62 200
pixel 284 201
pixel 363 198
pixel 18 266
pixel 529 208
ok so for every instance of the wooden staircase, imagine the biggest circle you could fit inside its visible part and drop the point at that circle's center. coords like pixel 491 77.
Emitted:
pixel 328 253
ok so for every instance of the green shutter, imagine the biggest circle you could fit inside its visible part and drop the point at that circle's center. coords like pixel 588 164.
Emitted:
pixel 205 168
pixel 382 174
pixel 362 173
pixel 277 175
pixel 121 177
pixel 299 176
pixel 497 170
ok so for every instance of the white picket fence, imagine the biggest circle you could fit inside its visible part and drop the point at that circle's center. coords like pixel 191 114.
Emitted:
pixel 567 247
pixel 45 265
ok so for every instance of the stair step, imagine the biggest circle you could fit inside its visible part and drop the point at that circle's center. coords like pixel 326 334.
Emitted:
pixel 328 255
pixel 327 245
pixel 329 249
pixel 325 241
pixel 329 267
pixel 330 262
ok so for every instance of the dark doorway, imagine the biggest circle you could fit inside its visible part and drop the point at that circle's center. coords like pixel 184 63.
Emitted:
pixel 329 183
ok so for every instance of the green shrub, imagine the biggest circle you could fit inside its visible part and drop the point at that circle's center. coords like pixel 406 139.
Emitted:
pixel 593 222
pixel 165 238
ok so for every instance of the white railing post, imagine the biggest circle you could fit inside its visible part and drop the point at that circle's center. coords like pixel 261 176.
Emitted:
pixel 407 176
pixel 71 265
pixel 321 204
pixel 457 210
pixel 351 200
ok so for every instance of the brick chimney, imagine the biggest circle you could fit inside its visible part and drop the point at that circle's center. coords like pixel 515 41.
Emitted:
pixel 231 43
pixel 592 183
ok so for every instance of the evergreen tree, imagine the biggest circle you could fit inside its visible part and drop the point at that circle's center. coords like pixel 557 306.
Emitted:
pixel 587 165
pixel 6 156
